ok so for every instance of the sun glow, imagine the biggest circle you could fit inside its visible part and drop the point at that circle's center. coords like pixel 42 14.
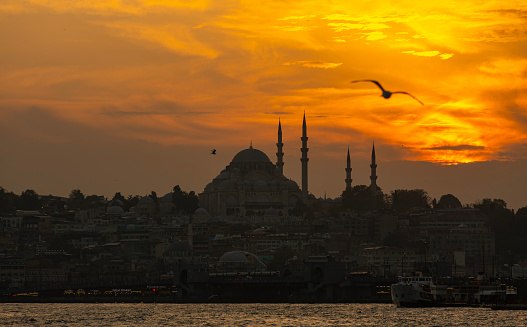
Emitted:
pixel 164 71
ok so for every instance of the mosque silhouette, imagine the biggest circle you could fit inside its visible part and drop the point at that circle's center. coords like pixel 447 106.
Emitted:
pixel 251 185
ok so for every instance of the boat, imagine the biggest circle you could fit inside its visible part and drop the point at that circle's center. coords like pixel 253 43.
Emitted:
pixel 422 291
pixel 413 291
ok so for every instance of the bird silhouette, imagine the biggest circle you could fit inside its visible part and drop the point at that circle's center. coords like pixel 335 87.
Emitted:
pixel 387 94
pixel 213 151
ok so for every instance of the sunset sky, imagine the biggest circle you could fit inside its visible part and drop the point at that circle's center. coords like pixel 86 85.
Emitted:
pixel 131 95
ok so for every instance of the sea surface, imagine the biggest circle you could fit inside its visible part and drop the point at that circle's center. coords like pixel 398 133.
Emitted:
pixel 157 314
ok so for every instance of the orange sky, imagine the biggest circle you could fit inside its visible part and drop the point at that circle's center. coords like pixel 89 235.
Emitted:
pixel 96 93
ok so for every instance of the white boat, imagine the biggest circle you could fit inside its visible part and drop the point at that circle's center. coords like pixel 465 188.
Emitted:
pixel 413 291
pixel 421 291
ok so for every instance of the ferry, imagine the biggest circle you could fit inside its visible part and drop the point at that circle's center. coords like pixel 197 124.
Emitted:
pixel 421 291
pixel 413 291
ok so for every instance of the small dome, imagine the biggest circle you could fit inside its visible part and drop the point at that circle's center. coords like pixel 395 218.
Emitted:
pixel 291 184
pixel 234 257
pixel 114 210
pixel 201 211
pixel 227 184
pixel 251 155
pixel 223 175
pixel 167 197
pixel 146 200
pixel 117 202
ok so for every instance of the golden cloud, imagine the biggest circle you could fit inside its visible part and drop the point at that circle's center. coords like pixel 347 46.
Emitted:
pixel 313 64
pixel 177 38
pixel 372 36
pixel 429 54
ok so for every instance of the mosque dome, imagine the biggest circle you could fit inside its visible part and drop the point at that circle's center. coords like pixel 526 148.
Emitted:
pixel 291 184
pixel 251 155
pixel 114 210
pixel 234 257
pixel 167 198
pixel 117 202
pixel 201 211
pixel 146 200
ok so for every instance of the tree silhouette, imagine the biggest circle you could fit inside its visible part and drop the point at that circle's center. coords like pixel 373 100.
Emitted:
pixel 501 221
pixel 404 200
pixel 185 203
pixel 360 198
pixel 495 210
pixel 153 195
pixel 29 200
pixel 76 199
pixel 8 201
pixel 522 212
pixel 118 197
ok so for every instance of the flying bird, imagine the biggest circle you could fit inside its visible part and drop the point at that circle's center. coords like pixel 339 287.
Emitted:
pixel 387 94
pixel 213 151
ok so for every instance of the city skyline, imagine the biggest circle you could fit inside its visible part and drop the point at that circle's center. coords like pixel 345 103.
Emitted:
pixel 130 97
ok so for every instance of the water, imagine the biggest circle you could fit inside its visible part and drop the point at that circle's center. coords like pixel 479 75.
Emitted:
pixel 156 314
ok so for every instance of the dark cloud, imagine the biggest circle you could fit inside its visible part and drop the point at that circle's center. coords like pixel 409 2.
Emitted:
pixel 278 113
pixel 462 147
pixel 159 108
pixel 152 113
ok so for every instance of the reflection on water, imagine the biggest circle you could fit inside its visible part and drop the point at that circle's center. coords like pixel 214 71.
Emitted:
pixel 152 314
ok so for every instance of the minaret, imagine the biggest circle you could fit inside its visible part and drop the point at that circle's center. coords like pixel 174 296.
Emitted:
pixel 304 160
pixel 280 154
pixel 373 176
pixel 348 172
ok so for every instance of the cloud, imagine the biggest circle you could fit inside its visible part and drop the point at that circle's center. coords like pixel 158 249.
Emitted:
pixel 152 113
pixel 429 54
pixel 445 56
pixel 462 147
pixel 516 67
pixel 175 37
pixel 373 36
pixel 422 53
pixel 278 113
pixel 339 27
pixel 313 64
pixel 295 18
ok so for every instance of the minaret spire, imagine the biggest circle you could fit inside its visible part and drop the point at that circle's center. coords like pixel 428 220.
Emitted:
pixel 280 153
pixel 373 176
pixel 304 160
pixel 348 172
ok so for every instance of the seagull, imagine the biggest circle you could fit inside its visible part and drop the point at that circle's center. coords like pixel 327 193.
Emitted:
pixel 387 94
pixel 213 151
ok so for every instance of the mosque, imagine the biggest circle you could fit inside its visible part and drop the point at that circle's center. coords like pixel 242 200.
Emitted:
pixel 251 185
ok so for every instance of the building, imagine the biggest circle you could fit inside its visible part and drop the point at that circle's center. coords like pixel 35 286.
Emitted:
pixel 251 185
